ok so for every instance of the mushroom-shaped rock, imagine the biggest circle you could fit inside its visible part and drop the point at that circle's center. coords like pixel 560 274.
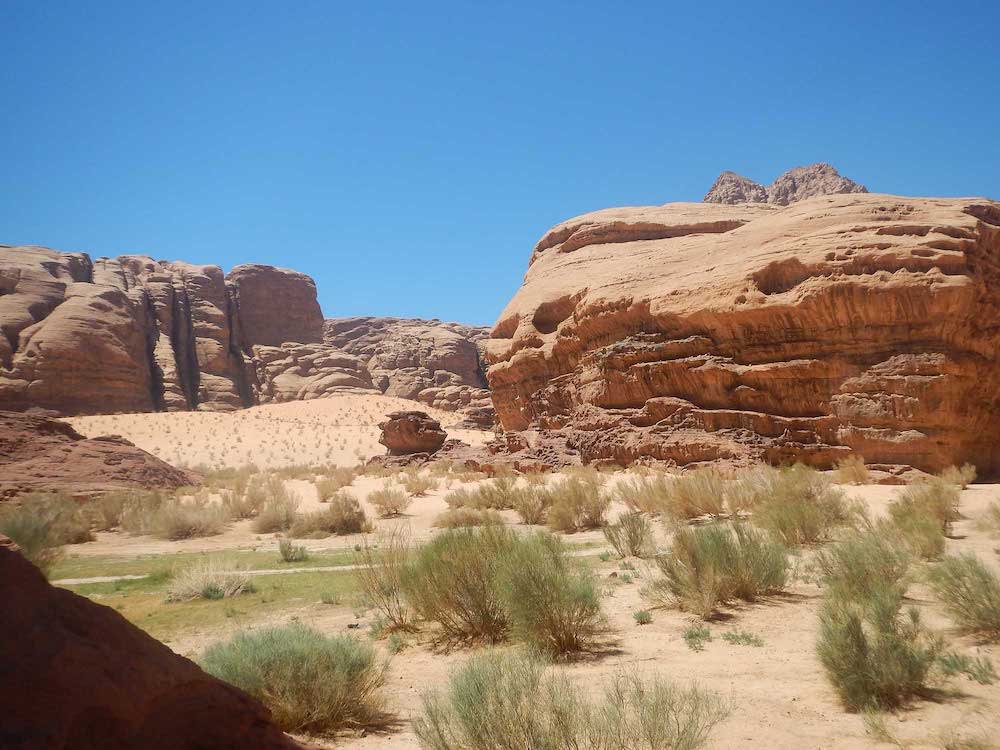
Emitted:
pixel 406 432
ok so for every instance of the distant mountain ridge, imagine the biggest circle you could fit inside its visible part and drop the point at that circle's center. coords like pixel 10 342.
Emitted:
pixel 794 185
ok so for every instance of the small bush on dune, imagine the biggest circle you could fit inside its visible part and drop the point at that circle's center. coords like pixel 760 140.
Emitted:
pixel 452 581
pixel 417 484
pixel 501 493
pixel 696 493
pixel 508 702
pixel 389 502
pixel 278 513
pixel 631 535
pixel 177 519
pixel 553 603
pixel 644 494
pixel 990 520
pixel 462 517
pixel 380 577
pixel 290 552
pixel 310 682
pixel 934 497
pixel 333 480
pixel 858 565
pixel 41 523
pixel 917 529
pixel 209 579
pixel 852 470
pixel 105 512
pixel 575 505
pixel 875 656
pixel 960 477
pixel 532 506
pixel 800 506
pixel 707 566
pixel 970 592
pixel 342 515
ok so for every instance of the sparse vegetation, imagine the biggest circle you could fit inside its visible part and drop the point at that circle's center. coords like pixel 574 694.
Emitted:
pixel 41 523
pixel 178 518
pixel 278 508
pixel 461 517
pixel 852 470
pixel 289 552
pixel 418 484
pixel 575 504
pixel 209 579
pixel 961 477
pixel 742 638
pixel 508 702
pixel 642 617
pixel 341 515
pixel 310 682
pixel 970 592
pixel 380 577
pixel 696 637
pixel 333 480
pixel 631 535
pixel 923 514
pixel 800 506
pixel 856 566
pixel 389 502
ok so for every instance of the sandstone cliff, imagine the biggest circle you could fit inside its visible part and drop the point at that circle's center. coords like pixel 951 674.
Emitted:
pixel 693 332
pixel 794 185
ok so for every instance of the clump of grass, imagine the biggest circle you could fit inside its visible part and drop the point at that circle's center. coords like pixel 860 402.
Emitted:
pixel 41 523
pixel 695 494
pixel 933 497
pixel 310 682
pixel 645 494
pixel 631 535
pixel 333 480
pixel 380 577
pixel 209 579
pixel 105 512
pixel 696 637
pixel 575 504
pixel 960 477
pixel 177 518
pixel 278 508
pixel 289 552
pixel 859 564
pixel 389 502
pixel 463 517
pixel 970 592
pixel 418 484
pixel 552 601
pixel 852 470
pixel 976 668
pixel 800 506
pixel 708 566
pixel 990 520
pixel 742 638
pixel 532 506
pixel 501 493
pixel 642 617
pixel 509 702
pixel 342 515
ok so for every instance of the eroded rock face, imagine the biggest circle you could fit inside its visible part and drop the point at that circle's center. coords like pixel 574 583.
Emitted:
pixel 297 372
pixel 42 454
pixel 794 185
pixel 694 332
pixel 275 305
pixel 426 360
pixel 406 432
pixel 78 676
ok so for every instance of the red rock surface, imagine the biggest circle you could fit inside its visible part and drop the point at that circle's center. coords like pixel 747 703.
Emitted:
pixel 275 305
pixel 794 185
pixel 691 332
pixel 78 676
pixel 407 432
pixel 38 453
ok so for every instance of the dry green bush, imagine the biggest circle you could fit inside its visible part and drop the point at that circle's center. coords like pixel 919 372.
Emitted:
pixel 934 496
pixel 691 495
pixel 41 523
pixel 389 502
pixel 380 577
pixel 104 512
pixel 418 484
pixel 960 477
pixel 631 535
pixel 852 470
pixel 990 520
pixel 854 567
pixel 310 682
pixel 501 493
pixel 800 506
pixel 278 509
pixel 532 505
pixel 970 592
pixel 708 566
pixel 575 504
pixel 289 552
pixel 341 515
pixel 507 701
pixel 209 579
pixel 334 479
pixel 176 518
pixel 461 517
pixel 645 494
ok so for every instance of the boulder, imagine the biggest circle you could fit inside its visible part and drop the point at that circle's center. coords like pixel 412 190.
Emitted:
pixel 839 324
pixel 42 454
pixel 406 432
pixel 77 675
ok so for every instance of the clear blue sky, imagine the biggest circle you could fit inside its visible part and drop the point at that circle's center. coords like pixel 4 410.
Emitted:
pixel 409 155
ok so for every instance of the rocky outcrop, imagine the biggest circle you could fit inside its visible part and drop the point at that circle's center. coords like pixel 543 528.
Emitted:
pixel 695 332
pixel 794 185
pixel 42 454
pixel 425 360
pixel 296 372
pixel 405 432
pixel 275 305
pixel 79 675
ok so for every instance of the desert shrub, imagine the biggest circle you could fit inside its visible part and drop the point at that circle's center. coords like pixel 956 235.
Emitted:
pixel 289 552
pixel 990 520
pixel 245 502
pixel 461 517
pixel 278 509
pixel 41 523
pixel 960 477
pixel 389 501
pixel 707 566
pixel 460 498
pixel 696 493
pixel 532 506
pixel 742 638
pixel 917 529
pixel 575 504
pixel 176 518
pixel 696 636
pixel 552 602
pixel 418 484
pixel 858 565
pixel 934 497
pixel 501 493
pixel 631 535
pixel 380 577
pixel 642 617
pixel 970 592
pixel 309 681
pixel 105 511
pixel 452 580
pixel 342 515
pixel 875 656
pixel 800 506
pixel 977 668
pixel 209 579
pixel 508 702
pixel 644 494
pixel 333 480
pixel 852 470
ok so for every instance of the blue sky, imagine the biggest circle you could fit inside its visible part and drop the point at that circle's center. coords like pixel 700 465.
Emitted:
pixel 409 155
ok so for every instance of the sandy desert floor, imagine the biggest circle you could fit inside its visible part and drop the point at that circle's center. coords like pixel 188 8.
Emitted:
pixel 779 696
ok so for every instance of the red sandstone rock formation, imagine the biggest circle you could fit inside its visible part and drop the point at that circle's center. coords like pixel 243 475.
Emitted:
pixel 692 332
pixel 296 372
pixel 78 676
pixel 406 432
pixel 794 185
pixel 38 453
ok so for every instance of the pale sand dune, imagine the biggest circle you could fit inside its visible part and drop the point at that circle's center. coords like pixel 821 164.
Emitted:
pixel 341 430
